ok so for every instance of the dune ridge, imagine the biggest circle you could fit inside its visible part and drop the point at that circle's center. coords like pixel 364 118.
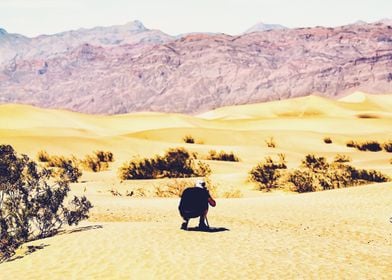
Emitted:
pixel 342 233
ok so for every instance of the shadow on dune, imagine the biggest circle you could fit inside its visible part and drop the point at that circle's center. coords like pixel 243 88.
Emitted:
pixel 81 229
pixel 210 229
pixel 29 250
pixel 33 248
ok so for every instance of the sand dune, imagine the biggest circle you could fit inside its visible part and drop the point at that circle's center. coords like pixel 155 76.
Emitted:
pixel 336 234
pixel 333 234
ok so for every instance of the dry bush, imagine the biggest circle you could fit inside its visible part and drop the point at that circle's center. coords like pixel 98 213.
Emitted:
pixel 387 146
pixel 104 156
pixel 222 155
pixel 327 140
pixel 63 166
pixel 317 174
pixel 176 163
pixel 303 181
pixel 372 146
pixel 173 189
pixel 43 156
pixel 94 164
pixel 270 142
pixel 351 144
pixel 267 173
pixel 189 139
pixel 32 201
pixel 342 158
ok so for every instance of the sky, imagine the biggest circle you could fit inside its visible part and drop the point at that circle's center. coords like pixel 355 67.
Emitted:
pixel 34 17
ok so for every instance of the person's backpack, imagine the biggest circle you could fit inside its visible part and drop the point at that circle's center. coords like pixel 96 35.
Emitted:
pixel 193 200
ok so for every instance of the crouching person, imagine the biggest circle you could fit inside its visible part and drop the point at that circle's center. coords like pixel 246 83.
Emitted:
pixel 194 203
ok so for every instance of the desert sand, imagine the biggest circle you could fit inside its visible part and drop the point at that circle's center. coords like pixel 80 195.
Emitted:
pixel 336 234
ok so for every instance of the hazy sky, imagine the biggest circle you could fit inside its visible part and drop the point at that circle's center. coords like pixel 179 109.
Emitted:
pixel 33 17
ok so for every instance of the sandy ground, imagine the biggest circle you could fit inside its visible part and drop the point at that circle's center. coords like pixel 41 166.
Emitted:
pixel 335 234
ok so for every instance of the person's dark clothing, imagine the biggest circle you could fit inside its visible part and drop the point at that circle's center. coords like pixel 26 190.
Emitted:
pixel 194 202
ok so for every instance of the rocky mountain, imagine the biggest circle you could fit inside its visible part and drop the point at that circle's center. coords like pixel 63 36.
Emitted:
pixel 261 26
pixel 198 72
pixel 15 46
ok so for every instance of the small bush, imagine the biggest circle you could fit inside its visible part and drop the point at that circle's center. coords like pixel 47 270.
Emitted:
pixel 342 158
pixel 303 181
pixel 67 167
pixel 189 139
pixel 43 156
pixel 223 156
pixel 176 163
pixel 270 142
pixel 104 156
pixel 351 144
pixel 327 140
pixel 315 163
pixel 317 174
pixel 372 146
pixel 93 163
pixel 387 146
pixel 173 188
pixel 267 173
pixel 31 206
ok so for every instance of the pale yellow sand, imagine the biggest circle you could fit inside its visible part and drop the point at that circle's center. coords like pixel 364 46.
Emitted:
pixel 335 234
pixel 328 235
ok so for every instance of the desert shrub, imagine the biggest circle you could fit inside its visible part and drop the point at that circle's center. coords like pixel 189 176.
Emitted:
pixel 372 146
pixel 140 169
pixel 189 139
pixel 387 146
pixel 224 156
pixel 342 158
pixel 173 189
pixel 104 156
pixel 270 142
pixel 327 140
pixel 351 144
pixel 316 174
pixel 303 181
pixel 364 176
pixel 65 167
pixel 175 163
pixel 94 163
pixel 267 173
pixel 43 156
pixel 32 201
pixel 315 163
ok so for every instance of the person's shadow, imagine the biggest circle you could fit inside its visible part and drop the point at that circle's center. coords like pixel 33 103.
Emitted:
pixel 209 229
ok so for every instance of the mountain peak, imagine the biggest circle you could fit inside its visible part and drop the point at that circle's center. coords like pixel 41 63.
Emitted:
pixel 3 31
pixel 385 21
pixel 261 26
pixel 135 25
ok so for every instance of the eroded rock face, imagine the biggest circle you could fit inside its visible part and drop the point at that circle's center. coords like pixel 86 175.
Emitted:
pixel 200 72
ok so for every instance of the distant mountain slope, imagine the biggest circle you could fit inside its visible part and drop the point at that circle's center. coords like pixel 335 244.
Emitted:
pixel 47 46
pixel 151 71
pixel 261 26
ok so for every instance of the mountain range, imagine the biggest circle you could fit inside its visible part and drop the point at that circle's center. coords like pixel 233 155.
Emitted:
pixel 129 68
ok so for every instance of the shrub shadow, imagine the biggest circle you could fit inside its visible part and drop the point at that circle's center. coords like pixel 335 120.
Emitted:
pixel 79 229
pixel 33 248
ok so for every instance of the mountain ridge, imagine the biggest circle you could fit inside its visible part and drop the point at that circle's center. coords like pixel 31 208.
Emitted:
pixel 199 72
